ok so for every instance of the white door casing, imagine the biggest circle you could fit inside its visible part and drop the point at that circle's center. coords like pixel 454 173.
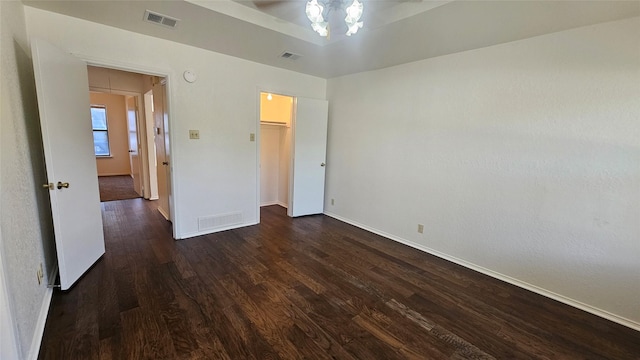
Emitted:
pixel 63 100
pixel 308 157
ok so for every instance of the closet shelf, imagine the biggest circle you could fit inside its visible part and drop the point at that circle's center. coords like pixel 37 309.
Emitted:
pixel 274 123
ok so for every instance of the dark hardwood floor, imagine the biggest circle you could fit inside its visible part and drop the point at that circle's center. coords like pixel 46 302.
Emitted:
pixel 311 287
pixel 119 187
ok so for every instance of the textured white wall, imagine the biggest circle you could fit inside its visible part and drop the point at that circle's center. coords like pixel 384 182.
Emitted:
pixel 521 158
pixel 275 161
pixel 25 216
pixel 269 164
pixel 218 173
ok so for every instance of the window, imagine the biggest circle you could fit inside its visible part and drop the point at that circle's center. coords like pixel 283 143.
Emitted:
pixel 100 131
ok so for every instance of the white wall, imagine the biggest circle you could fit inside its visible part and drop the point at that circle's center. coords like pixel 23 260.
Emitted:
pixel 269 164
pixel 522 159
pixel 26 239
pixel 218 173
pixel 275 147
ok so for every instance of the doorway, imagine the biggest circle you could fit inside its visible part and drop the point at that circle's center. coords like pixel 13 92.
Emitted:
pixel 276 113
pixel 115 145
pixel 292 152
pixel 138 142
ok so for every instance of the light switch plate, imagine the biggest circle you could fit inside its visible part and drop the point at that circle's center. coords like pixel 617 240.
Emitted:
pixel 194 134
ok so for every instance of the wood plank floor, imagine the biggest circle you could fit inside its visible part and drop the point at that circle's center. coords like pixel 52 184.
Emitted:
pixel 311 287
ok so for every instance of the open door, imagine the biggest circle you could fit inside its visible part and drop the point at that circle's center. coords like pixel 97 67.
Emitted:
pixel 163 153
pixel 63 99
pixel 134 144
pixel 308 157
pixel 151 146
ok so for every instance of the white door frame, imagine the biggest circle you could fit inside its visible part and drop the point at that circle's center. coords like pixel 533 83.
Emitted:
pixel 143 69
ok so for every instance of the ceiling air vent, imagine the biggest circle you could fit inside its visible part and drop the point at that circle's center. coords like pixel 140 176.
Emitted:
pixel 160 19
pixel 290 56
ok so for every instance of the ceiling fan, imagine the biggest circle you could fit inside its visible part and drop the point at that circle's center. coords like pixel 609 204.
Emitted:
pixel 293 11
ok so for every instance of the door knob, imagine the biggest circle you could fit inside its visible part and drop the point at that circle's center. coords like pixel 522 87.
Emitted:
pixel 323 164
pixel 63 185
pixel 165 163
pixel 49 186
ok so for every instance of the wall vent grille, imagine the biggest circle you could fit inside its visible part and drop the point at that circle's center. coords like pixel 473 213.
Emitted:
pixel 218 221
pixel 290 56
pixel 159 19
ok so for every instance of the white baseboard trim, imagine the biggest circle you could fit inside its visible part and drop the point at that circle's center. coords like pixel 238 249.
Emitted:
pixel 280 203
pixel 38 333
pixel 114 174
pixel 494 274
pixel 206 232
pixel 164 214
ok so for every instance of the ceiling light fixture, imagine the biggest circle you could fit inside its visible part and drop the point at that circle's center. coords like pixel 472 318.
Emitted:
pixel 318 13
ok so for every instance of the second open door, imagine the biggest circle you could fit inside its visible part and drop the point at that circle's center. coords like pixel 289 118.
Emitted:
pixel 309 149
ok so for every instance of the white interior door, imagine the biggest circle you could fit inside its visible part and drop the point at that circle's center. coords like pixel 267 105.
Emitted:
pixel 151 145
pixel 163 155
pixel 63 101
pixel 134 144
pixel 308 157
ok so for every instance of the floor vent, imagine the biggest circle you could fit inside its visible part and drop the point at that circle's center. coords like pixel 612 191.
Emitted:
pixel 290 56
pixel 218 221
pixel 160 19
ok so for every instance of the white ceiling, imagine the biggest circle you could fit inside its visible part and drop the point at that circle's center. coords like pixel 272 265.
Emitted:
pixel 395 32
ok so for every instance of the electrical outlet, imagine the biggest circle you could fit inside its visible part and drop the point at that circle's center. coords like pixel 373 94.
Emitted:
pixel 252 137
pixel 194 134
pixel 40 274
pixel 420 228
pixel 332 202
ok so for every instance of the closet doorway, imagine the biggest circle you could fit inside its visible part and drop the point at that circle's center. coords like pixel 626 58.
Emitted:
pixel 292 152
pixel 276 114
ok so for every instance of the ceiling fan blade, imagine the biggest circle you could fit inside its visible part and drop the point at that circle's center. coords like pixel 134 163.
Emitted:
pixel 262 4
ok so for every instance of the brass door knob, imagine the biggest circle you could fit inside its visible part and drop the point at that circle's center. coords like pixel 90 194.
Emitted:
pixel 49 186
pixel 63 185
